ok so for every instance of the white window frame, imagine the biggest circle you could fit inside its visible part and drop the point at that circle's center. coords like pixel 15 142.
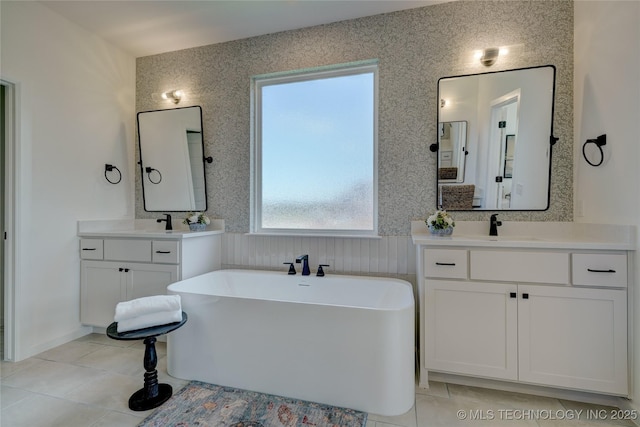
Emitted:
pixel 256 144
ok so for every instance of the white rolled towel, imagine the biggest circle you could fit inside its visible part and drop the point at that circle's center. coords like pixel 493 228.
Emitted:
pixel 149 320
pixel 147 305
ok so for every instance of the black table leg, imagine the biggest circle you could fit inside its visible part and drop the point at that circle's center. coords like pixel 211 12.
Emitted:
pixel 152 394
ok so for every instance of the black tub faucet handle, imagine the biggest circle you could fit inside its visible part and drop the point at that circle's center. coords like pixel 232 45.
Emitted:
pixel 292 269
pixel 320 272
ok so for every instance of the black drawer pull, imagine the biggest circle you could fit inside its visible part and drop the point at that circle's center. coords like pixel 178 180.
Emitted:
pixel 593 270
pixel 163 252
pixel 512 295
pixel 89 249
pixel 446 263
pixel 525 296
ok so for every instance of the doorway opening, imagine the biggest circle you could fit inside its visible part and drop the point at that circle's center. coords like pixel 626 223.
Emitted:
pixel 7 216
pixel 2 227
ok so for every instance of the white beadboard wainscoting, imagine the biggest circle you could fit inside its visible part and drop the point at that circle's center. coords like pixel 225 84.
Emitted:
pixel 387 255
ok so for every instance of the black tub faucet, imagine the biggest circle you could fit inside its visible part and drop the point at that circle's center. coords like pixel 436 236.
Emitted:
pixel 304 259
pixel 168 220
pixel 292 269
pixel 320 272
pixel 494 224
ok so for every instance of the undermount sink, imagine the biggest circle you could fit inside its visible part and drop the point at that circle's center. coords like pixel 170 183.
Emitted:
pixel 149 231
pixel 499 238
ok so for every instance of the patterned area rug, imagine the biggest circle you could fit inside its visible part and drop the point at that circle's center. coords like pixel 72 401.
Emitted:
pixel 208 405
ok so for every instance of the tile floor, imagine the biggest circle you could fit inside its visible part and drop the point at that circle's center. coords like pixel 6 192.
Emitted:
pixel 87 383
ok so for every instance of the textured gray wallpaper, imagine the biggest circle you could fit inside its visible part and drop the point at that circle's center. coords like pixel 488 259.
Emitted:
pixel 414 48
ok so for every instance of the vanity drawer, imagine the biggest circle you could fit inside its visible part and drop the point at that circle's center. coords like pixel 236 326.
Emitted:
pixel 166 251
pixel 608 270
pixel 91 249
pixel 445 263
pixel 134 250
pixel 514 266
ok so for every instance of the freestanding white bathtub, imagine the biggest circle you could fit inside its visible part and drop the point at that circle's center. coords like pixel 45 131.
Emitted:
pixel 341 340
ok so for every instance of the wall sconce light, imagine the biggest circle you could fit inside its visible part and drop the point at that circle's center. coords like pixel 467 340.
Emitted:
pixel 173 95
pixel 443 103
pixel 489 56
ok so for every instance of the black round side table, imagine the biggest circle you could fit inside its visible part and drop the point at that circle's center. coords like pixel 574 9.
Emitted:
pixel 152 394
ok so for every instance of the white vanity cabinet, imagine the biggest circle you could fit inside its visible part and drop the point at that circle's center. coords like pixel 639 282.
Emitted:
pixel 104 284
pixel 550 317
pixel 471 328
pixel 573 338
pixel 119 267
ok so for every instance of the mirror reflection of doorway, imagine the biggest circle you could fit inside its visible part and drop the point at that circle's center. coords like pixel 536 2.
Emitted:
pixel 504 122
pixel 509 149
pixel 452 151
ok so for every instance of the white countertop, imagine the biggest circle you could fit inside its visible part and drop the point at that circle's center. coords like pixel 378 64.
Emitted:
pixel 521 234
pixel 145 229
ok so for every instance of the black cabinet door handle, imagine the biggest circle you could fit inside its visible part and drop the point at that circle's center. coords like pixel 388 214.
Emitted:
pixel 593 270
pixel 89 249
pixel 446 263
pixel 525 296
pixel 163 252
pixel 512 295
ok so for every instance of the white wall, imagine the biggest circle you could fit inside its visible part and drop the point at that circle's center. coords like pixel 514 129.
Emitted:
pixel 76 112
pixel 607 100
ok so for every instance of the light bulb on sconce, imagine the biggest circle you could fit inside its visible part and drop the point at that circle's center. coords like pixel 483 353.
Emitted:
pixel 489 56
pixel 443 103
pixel 173 95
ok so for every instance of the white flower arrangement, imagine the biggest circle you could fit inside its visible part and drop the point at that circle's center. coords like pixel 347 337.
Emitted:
pixel 440 220
pixel 197 218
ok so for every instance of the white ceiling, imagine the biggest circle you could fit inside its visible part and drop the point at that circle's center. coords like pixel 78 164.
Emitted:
pixel 148 27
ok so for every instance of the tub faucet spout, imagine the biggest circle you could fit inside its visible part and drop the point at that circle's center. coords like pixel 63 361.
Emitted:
pixel 304 259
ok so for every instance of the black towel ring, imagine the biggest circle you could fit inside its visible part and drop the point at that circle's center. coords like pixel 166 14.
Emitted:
pixel 599 142
pixel 110 168
pixel 149 170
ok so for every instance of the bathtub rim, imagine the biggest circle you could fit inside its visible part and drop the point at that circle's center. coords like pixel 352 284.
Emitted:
pixel 409 305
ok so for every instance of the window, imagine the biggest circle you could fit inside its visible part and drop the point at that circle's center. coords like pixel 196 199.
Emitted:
pixel 314 152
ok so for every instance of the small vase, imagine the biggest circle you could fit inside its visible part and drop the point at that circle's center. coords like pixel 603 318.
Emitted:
pixel 440 231
pixel 196 226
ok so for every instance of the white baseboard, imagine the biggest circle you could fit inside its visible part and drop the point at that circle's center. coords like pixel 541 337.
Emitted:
pixel 557 393
pixel 48 345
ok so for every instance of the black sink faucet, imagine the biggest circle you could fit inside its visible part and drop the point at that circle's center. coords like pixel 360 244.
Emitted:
pixel 304 259
pixel 168 220
pixel 494 224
